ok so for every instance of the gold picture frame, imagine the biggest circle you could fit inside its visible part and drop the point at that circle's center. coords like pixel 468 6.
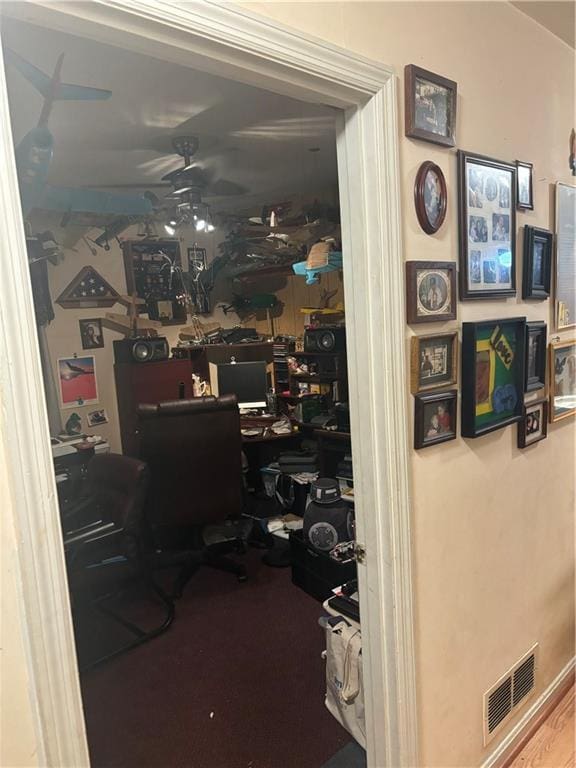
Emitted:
pixel 433 361
pixel 562 390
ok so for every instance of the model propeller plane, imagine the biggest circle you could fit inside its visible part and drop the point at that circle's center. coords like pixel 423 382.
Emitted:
pixel 34 154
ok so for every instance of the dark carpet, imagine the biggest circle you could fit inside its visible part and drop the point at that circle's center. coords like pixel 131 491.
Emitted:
pixel 350 756
pixel 237 682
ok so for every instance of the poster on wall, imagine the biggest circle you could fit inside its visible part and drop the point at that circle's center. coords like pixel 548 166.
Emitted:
pixel 77 380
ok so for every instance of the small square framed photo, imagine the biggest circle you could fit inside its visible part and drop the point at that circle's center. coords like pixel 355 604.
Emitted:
pixel 91 333
pixel 487 227
pixel 433 361
pixel 524 189
pixel 537 263
pixel 429 106
pixel 435 416
pixel 562 380
pixel 533 426
pixel 535 365
pixel 430 291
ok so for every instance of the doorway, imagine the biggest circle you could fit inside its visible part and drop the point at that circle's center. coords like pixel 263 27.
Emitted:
pixel 206 38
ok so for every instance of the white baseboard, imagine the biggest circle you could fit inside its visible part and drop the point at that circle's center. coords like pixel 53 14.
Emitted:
pixel 530 714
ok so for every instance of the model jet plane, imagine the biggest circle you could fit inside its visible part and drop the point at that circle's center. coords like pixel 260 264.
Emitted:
pixel 34 154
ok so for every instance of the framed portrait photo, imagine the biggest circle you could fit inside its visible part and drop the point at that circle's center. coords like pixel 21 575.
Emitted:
pixel 492 374
pixel 429 106
pixel 524 189
pixel 91 333
pixel 533 425
pixel 535 367
pixel 430 197
pixel 487 224
pixel 433 361
pixel 435 416
pixel 562 380
pixel 565 277
pixel 430 291
pixel 537 263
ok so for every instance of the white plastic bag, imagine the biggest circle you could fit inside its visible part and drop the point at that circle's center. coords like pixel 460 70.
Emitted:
pixel 344 686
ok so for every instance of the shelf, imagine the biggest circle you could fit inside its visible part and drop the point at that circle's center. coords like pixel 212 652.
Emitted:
pixel 318 377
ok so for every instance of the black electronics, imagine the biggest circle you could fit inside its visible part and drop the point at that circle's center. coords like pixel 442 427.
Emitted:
pixel 248 381
pixel 141 350
pixel 325 339
pixel 328 519
pixel 239 335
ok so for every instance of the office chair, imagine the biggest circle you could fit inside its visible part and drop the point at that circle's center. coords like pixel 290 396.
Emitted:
pixel 104 547
pixel 194 451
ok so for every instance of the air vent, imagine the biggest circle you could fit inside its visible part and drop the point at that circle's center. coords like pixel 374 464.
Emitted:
pixel 505 695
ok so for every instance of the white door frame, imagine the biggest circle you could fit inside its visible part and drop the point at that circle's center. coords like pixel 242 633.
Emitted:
pixel 233 43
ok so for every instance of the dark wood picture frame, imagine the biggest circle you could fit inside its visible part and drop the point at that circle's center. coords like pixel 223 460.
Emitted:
pixel 526 423
pixel 428 225
pixel 535 335
pixel 423 424
pixel 86 337
pixel 417 344
pixel 534 287
pixel 447 272
pixel 490 336
pixel 76 297
pixel 412 74
pixel 525 206
pixel 494 170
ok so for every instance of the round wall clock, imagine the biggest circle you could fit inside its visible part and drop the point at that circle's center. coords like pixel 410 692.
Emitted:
pixel 430 197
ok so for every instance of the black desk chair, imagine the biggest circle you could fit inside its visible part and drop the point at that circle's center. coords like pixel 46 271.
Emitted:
pixel 194 451
pixel 103 542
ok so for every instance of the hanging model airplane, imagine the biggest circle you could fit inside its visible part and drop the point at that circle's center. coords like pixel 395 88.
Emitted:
pixel 34 154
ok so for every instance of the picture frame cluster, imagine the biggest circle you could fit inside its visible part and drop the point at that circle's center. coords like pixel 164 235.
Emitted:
pixel 505 361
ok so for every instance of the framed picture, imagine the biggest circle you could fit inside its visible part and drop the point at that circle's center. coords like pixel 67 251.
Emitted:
pixel 430 197
pixel 562 380
pixel 534 423
pixel 435 416
pixel 535 368
pixel 77 379
pixel 91 333
pixel 431 291
pixel 433 361
pixel 95 418
pixel 537 266
pixel 565 278
pixel 524 190
pixel 429 106
pixel 487 223
pixel 492 374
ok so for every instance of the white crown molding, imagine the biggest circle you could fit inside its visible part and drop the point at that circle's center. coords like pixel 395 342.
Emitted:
pixel 234 43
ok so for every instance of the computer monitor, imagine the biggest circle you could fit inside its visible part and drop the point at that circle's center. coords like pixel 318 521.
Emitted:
pixel 248 381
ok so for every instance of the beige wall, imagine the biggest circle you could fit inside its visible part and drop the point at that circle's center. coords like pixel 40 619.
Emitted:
pixel 493 531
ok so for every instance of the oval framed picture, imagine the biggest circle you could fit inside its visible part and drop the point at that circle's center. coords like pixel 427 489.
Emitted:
pixel 430 197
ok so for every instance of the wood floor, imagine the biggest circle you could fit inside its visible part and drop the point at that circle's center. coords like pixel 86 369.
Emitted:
pixel 552 746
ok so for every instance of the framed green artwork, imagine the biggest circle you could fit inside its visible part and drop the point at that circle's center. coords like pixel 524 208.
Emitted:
pixel 493 354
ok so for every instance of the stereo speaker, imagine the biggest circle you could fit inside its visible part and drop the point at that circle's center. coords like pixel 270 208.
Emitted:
pixel 325 340
pixel 141 350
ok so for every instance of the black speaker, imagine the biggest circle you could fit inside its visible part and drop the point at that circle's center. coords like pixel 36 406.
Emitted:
pixel 325 340
pixel 141 350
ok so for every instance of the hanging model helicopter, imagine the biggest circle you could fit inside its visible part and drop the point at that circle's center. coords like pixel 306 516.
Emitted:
pixel 34 154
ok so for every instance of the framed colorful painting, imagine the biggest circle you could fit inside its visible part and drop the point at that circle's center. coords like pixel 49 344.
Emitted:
pixel 562 380
pixel 493 354
pixel 487 225
pixel 77 379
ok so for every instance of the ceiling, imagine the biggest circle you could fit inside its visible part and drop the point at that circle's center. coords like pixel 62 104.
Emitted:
pixel 253 137
pixel 558 17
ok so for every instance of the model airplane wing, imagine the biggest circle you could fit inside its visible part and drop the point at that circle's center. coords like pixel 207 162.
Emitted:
pixel 73 200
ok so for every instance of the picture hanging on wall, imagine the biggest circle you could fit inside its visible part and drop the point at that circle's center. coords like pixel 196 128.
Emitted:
pixel 77 379
pixel 430 291
pixel 537 263
pixel 429 106
pixel 95 418
pixel 91 333
pixel 435 417
pixel 433 361
pixel 565 278
pixel 562 380
pixel 535 368
pixel 524 188
pixel 487 222
pixel 533 426
pixel 430 197
pixel 492 374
